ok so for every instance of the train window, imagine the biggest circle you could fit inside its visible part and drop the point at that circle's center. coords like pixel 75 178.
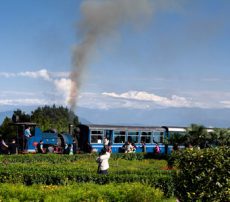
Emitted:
pixel 146 137
pixel 119 136
pixel 158 137
pixel 133 136
pixel 97 136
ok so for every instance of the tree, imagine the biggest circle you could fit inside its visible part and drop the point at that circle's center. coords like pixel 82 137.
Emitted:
pixel 220 136
pixel 198 135
pixel 20 116
pixel 54 117
pixel 6 130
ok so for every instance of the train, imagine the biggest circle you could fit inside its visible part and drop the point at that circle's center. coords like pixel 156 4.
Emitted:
pixel 94 134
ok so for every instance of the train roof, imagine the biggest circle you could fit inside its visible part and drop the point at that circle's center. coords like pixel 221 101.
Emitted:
pixel 124 127
pixel 23 124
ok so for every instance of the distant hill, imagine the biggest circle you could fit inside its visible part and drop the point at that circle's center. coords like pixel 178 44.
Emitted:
pixel 83 120
pixel 158 117
pixel 154 117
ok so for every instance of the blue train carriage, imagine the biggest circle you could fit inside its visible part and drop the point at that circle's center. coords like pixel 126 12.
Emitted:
pixel 119 135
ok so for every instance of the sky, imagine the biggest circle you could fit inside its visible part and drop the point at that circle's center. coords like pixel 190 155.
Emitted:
pixel 115 55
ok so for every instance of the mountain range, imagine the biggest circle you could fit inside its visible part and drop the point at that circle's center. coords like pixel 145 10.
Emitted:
pixel 155 117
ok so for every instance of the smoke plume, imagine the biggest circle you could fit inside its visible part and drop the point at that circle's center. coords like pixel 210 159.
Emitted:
pixel 100 18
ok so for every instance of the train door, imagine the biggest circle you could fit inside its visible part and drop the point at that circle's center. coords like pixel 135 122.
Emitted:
pixel 109 136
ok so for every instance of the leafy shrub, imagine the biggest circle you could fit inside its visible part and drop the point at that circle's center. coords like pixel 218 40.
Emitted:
pixel 203 174
pixel 132 192
pixel 66 170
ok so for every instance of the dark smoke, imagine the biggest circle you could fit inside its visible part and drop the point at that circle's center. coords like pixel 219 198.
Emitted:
pixel 100 18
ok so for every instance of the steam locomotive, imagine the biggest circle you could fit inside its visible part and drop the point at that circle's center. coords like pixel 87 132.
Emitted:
pixel 49 138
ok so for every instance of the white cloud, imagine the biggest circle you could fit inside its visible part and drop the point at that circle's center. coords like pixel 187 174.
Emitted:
pixel 226 103
pixel 7 74
pixel 23 102
pixel 130 100
pixel 174 101
pixel 42 73
pixel 60 81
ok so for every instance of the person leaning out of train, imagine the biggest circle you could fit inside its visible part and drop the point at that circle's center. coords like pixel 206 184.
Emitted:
pixel 103 162
pixel 40 148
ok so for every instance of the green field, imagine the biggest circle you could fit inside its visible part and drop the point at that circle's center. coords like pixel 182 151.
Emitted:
pixel 75 178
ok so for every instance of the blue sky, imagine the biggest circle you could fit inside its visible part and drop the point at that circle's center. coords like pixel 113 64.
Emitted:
pixel 146 55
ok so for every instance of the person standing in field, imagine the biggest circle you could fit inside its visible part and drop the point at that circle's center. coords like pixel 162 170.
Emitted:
pixel 103 162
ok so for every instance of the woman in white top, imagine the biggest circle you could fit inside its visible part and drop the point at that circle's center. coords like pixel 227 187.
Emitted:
pixel 103 162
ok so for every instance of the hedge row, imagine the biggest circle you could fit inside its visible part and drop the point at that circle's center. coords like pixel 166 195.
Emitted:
pixel 61 158
pixel 56 175
pixel 130 192
pixel 204 175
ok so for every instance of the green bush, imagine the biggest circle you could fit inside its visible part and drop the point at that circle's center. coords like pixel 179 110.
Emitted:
pixel 133 192
pixel 204 175
pixel 66 170
pixel 63 158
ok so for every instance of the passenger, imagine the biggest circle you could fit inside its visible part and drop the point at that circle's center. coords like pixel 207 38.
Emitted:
pixel 143 146
pixel 13 147
pixel 128 147
pixel 50 149
pixel 106 143
pixel 74 147
pixel 66 149
pixel 3 146
pixel 103 162
pixel 99 140
pixel 70 149
pixel 27 135
pixel 157 149
pixel 40 148
pixel 88 147
pixel 134 147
